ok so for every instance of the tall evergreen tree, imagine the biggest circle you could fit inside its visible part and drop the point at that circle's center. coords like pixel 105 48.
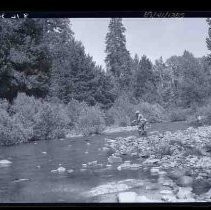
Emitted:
pixel 118 60
pixel 74 73
pixel 145 81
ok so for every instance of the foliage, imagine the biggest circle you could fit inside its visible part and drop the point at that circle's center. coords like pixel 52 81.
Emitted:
pixel 91 121
pixel 178 114
pixel 189 80
pixel 152 112
pixel 144 85
pixel 204 112
pixel 33 119
pixel 11 130
pixel 24 58
pixel 52 122
pixel 122 113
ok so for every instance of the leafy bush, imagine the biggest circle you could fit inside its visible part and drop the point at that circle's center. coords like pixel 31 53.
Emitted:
pixel 26 108
pixel 74 109
pixel 32 119
pixel 179 114
pixel 123 112
pixel 204 112
pixel 51 123
pixel 91 121
pixel 12 131
pixel 152 112
pixel 109 119
pixel 4 105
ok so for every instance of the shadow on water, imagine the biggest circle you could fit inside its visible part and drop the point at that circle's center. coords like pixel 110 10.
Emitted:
pixel 29 177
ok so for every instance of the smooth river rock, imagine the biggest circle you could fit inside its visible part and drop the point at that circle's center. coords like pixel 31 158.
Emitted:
pixel 128 166
pixel 5 163
pixel 144 199
pixel 184 193
pixel 108 198
pixel 127 197
pixel 177 173
pixel 184 181
pixel 114 159
pixel 154 170
pixel 114 187
pixel 59 170
pixel 169 198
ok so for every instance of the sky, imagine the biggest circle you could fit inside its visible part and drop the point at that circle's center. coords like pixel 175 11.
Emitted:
pixel 153 37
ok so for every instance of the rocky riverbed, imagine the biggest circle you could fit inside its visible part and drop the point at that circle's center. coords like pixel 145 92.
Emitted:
pixel 181 161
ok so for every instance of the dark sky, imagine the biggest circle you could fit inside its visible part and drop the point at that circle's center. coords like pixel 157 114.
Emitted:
pixel 153 37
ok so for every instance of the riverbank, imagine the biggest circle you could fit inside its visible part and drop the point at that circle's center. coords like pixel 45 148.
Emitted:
pixel 108 130
pixel 182 156
pixel 155 127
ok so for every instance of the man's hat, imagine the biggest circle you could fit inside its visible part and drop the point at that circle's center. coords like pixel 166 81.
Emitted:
pixel 137 112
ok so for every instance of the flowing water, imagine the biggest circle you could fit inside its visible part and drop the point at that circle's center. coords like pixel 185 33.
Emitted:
pixel 29 178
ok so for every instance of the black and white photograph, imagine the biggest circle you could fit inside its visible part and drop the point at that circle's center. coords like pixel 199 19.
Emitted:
pixel 105 110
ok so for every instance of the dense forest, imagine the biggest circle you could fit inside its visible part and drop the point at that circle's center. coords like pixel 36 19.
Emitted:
pixel 49 86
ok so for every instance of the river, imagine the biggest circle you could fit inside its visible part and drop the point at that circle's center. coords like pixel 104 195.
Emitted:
pixel 29 178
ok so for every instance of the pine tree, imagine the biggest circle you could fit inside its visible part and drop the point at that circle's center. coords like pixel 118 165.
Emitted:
pixel 74 73
pixel 145 81
pixel 118 60
pixel 104 93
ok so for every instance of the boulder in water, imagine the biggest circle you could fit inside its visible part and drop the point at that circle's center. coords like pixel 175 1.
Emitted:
pixel 20 180
pixel 169 198
pixel 177 173
pixel 152 187
pixel 59 170
pixel 128 166
pixel 92 163
pixel 154 170
pixel 105 149
pixel 184 192
pixel 188 200
pixel 114 159
pixel 127 197
pixel 144 199
pixel 108 166
pixel 168 183
pixel 5 163
pixel 166 192
pixel 134 154
pixel 151 161
pixel 184 181
pixel 162 173
pixel 83 169
pixel 108 198
pixel 84 165
pixel 201 186
pixel 70 171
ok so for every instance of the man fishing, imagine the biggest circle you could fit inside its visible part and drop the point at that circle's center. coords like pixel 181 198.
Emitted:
pixel 141 122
